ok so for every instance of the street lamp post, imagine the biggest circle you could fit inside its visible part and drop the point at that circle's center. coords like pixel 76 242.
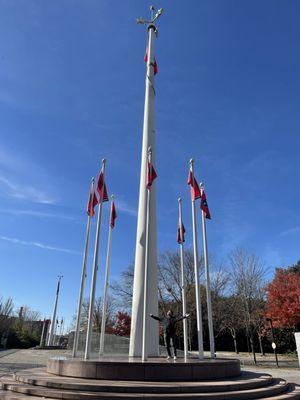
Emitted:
pixel 273 340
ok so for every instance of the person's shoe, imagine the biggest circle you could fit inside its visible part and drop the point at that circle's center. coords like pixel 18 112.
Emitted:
pixel 175 358
pixel 168 357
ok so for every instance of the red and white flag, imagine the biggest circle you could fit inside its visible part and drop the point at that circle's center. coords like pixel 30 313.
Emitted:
pixel 204 206
pixel 151 175
pixel 101 189
pixel 154 64
pixel 180 233
pixel 92 202
pixel 113 214
pixel 195 191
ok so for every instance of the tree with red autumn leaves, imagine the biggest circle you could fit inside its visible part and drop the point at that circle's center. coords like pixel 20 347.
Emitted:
pixel 283 299
pixel 122 324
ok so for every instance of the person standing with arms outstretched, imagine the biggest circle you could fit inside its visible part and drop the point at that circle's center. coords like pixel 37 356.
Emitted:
pixel 169 326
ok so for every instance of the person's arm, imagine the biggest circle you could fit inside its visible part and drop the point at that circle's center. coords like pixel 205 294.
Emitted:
pixel 182 317
pixel 155 317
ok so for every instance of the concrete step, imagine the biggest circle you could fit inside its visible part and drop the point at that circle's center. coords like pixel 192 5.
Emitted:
pixel 248 386
pixel 38 377
pixel 277 387
pixel 292 394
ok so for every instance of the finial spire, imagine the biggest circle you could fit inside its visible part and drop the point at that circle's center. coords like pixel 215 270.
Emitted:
pixel 153 16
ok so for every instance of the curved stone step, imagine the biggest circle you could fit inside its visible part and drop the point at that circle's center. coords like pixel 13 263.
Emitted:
pixel 277 387
pixel 292 393
pixel 39 377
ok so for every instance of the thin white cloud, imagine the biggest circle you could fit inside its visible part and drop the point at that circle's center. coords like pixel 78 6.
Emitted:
pixel 37 244
pixel 20 179
pixel 122 206
pixel 290 231
pixel 22 191
pixel 38 214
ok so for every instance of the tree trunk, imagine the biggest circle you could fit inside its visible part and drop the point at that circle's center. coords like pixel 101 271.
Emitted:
pixel 260 345
pixel 235 345
pixel 233 334
pixel 252 348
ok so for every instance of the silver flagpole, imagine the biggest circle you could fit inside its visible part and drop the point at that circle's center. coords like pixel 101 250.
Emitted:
pixel 197 286
pixel 185 342
pixel 208 295
pixel 83 277
pixel 53 321
pixel 144 349
pixel 136 334
pixel 106 280
pixel 94 274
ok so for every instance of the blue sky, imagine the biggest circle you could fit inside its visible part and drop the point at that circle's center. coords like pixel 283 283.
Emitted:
pixel 72 92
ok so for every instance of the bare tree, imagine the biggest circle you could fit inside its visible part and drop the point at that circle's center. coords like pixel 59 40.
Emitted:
pixel 122 289
pixel 6 312
pixel 247 275
pixel 97 315
pixel 229 317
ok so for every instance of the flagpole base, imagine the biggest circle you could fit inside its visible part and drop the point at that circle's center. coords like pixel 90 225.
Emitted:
pixel 153 369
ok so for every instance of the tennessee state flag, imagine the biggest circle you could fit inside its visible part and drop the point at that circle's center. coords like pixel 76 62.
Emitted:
pixel 151 175
pixel 180 233
pixel 195 191
pixel 204 206
pixel 93 201
pixel 101 189
pixel 113 214
pixel 154 64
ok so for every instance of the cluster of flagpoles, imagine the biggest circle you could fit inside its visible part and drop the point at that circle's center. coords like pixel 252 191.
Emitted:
pixel 94 201
pixel 196 193
pixel 145 252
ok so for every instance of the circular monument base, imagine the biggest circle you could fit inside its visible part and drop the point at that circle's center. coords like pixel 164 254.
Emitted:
pixel 154 369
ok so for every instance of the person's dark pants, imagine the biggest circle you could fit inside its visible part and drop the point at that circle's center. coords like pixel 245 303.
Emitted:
pixel 168 339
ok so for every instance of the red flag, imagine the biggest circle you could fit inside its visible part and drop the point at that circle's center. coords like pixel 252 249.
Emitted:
pixel 154 64
pixel 204 206
pixel 180 230
pixel 101 188
pixel 151 175
pixel 113 215
pixel 195 191
pixel 93 201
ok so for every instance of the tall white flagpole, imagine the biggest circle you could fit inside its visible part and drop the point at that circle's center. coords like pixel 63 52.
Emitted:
pixel 197 285
pixel 83 277
pixel 106 280
pixel 185 332
pixel 145 314
pixel 208 294
pixel 136 333
pixel 94 274
pixel 53 321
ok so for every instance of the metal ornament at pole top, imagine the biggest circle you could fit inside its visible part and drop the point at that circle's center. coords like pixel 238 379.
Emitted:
pixel 154 17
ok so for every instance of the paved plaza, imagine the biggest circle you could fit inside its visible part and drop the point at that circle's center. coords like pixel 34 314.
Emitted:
pixel 16 360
